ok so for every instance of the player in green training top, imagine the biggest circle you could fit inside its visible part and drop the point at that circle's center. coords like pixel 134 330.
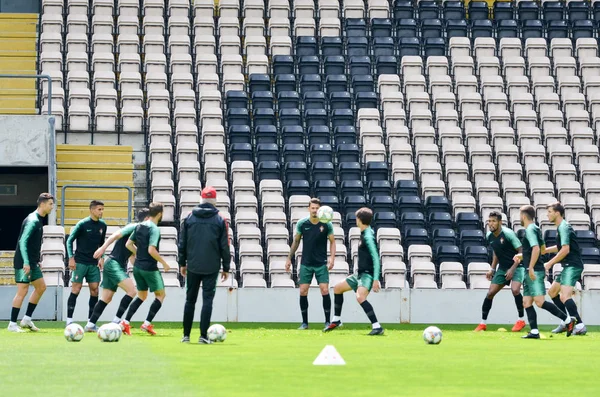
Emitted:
pixel 114 274
pixel 569 255
pixel 505 245
pixel 534 288
pixel 369 270
pixel 27 264
pixel 89 233
pixel 314 234
pixel 144 243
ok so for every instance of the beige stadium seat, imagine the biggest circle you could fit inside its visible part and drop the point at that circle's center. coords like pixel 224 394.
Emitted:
pixel 591 277
pixel 419 253
pixel 476 274
pixel 393 271
pixel 459 47
pixel 451 274
pixel 423 275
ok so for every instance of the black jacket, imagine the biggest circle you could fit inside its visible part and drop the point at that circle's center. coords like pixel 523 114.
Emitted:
pixel 204 241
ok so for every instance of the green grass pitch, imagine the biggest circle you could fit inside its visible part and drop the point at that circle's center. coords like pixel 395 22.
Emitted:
pixel 276 360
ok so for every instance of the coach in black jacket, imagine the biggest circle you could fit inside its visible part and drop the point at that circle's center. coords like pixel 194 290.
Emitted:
pixel 203 247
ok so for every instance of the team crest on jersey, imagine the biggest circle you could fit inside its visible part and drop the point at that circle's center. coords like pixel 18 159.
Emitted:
pixel 321 229
pixel 501 240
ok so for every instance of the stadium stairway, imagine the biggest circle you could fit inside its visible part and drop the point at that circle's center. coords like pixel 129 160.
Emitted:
pixel 18 55
pixel 6 268
pixel 89 166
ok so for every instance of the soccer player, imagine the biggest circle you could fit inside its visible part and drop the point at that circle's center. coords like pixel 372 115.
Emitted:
pixel 90 234
pixel 26 264
pixel 569 254
pixel 114 274
pixel 314 258
pixel 369 269
pixel 144 243
pixel 505 245
pixel 534 288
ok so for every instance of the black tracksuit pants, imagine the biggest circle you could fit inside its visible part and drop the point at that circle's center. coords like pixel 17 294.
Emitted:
pixel 209 286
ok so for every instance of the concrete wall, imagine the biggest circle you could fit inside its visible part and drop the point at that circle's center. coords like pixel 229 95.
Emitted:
pixel 24 6
pixel 281 305
pixel 24 141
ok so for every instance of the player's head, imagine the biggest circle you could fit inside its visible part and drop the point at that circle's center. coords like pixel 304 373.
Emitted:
pixel 494 221
pixel 527 214
pixel 155 211
pixel 364 216
pixel 96 209
pixel 556 212
pixel 209 195
pixel 313 207
pixel 142 214
pixel 45 203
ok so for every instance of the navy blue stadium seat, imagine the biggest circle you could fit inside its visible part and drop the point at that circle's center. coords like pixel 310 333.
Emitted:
pixel 288 117
pixel 322 170
pixel 349 221
pixel 527 10
pixel 478 10
pixel 595 12
pixel 348 152
pixel 366 100
pixel 262 99
pixel 415 236
pixel 446 253
pixel 331 46
pixel 377 171
pixel 325 188
pixel 237 116
pixel 267 152
pixel 241 152
pixel 470 238
pixel 550 237
pixel 409 204
pixel 590 255
pixel 579 10
pixel 239 134
pixel 406 28
pixel 331 201
pixel 313 117
pixel 476 254
pixel 482 28
pixel 408 46
pixel 506 28
pixel 503 10
pixel 263 116
pixel 431 28
pixel 344 135
pixel 362 83
pixel 298 187
pixel 236 99
pixel 467 221
pixel 443 237
pixel 410 220
pixel 586 238
pixel 283 64
pixel 314 100
pixel 521 234
pixel 355 27
pixel 437 204
pixel 582 29
pixel 428 9
pixel 264 134
pixel 386 65
pixel 440 220
pixel 406 188
pixel 309 64
pixel 353 202
pixel 334 64
pixel 532 28
pixel 357 46
pixel 268 170
pixel 359 65
pixel 288 100
pixel 340 100
pixel 342 117
pixel 352 188
pixel 385 219
pixel 318 135
pixel 435 46
pixel 456 28
pixel 310 82
pixel 336 83
pixel 381 27
pixel 306 45
pixel 292 134
pixel 403 9
pixel 382 204
pixel 321 152
pixel 553 10
pixel 383 46
pixel 557 29
pixel 379 188
pixel 453 10
pixel 294 152
pixel 350 171
pixel 259 82
pixel 285 83
pixel 295 171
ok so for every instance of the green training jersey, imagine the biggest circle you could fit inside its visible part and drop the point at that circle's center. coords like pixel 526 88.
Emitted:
pixel 29 245
pixel 90 236
pixel 533 238
pixel 505 246
pixel 567 236
pixel 314 241
pixel 368 254
pixel 120 253
pixel 146 235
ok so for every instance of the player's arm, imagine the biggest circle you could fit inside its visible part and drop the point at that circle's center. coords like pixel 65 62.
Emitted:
pixel 534 243
pixel 294 247
pixel 24 240
pixel 224 247
pixel 332 246
pixel 182 247
pixel 494 261
pixel 550 250
pixel 153 248
pixel 130 245
pixel 565 241
pixel 370 241
pixel 72 237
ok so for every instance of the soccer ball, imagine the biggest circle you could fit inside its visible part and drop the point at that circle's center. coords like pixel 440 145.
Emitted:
pixel 432 335
pixel 74 332
pixel 325 214
pixel 217 333
pixel 110 332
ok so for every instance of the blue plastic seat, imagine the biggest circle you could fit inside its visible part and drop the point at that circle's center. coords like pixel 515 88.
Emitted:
pixel 292 134
pixel 267 152
pixel 377 171
pixel 428 9
pixel 296 171
pixel 259 82
pixel 306 45
pixel 350 171
pixel 241 152
pixel 435 46
pixel 352 203
pixel 503 10
pixel 263 116
pixel 357 46
pixel 268 170
pixel 471 237
pixel 582 29
pixel 342 117
pixel 410 220
pixel 557 29
pixel 318 135
pixel 315 117
pixel 383 46
pixel 446 253
pixel 334 64
pixel 456 28
pixel 468 221
pixel 237 116
pixel 382 204
pixel 310 82
pixel 406 188
pixel 532 28
pixel 325 188
pixel 298 187
pixel 331 201
pixel 408 46
pixel 403 9
pixel 383 219
pixel 415 236
pixel 482 28
pixel 264 134
pixel 443 236
pixel 309 64
pixel 590 255
pixel 362 83
pixel 437 204
pixel 453 10
pixel 332 46
pixel 344 135
pixel 386 65
pixel 262 100
pixel 440 220
pixel 351 188
pixel 586 238
pixel 336 83
pixel 355 27
pixel 476 254
pixel 321 152
pixel 380 188
pixel 579 10
pixel 347 152
pixel 431 28
pixel 285 82
pixel 239 134
pixel 406 28
pixel 595 12
pixel 527 10
pixel 288 100
pixel 294 152
pixel 340 100
pixel 506 27
pixel 550 237
pixel 289 117
pixel 314 100
pixel 366 100
pixel 236 99
pixel 322 170
pixel 553 10
pixel 359 65
pixel 409 204
pixel 478 10
pixel 283 64
pixel 381 27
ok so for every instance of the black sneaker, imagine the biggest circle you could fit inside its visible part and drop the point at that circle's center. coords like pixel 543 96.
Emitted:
pixel 531 336
pixel 185 339
pixel 376 331
pixel 205 341
pixel 332 325
pixel 571 326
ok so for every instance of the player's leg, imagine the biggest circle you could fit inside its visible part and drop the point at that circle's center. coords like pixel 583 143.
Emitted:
pixel 192 286
pixel 39 285
pixel 209 287
pixel 322 275
pixel 157 286
pixel 554 294
pixel 130 292
pixel 93 278
pixel 541 302
pixel 304 279
pixel 515 287
pixel 22 281
pixel 534 333
pixel 108 292
pixel 365 283
pixel 569 278
pixel 77 278
pixel 338 300
pixel 496 286
pixel 142 287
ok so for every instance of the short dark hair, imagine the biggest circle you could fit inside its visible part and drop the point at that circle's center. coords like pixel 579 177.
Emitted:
pixel 155 209
pixel 496 214
pixel 365 215
pixel 314 201
pixel 558 207
pixel 96 203
pixel 142 214
pixel 44 197
pixel 529 211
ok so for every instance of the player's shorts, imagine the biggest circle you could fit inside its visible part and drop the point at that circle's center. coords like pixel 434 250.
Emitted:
pixel 35 273
pixel 112 275
pixel 537 287
pixel 320 272
pixel 91 273
pixel 148 280
pixel 362 280
pixel 570 275
pixel 500 276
